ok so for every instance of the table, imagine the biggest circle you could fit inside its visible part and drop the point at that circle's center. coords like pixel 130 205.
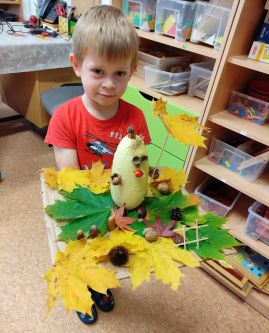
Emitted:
pixel 30 65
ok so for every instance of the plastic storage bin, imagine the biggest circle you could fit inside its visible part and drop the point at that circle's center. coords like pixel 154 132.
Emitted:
pixel 166 82
pixel 159 58
pixel 216 196
pixel 248 108
pixel 230 151
pixel 175 18
pixel 199 79
pixel 257 225
pixel 142 13
pixel 209 24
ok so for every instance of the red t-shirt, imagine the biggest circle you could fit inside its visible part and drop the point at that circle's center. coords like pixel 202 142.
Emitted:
pixel 73 127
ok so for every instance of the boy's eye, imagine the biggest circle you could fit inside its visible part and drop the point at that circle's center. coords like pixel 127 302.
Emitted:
pixel 120 73
pixel 97 71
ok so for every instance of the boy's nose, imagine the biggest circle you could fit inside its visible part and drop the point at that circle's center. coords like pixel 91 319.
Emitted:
pixel 109 83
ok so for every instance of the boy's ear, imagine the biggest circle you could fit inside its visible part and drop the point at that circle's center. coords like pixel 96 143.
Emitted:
pixel 74 64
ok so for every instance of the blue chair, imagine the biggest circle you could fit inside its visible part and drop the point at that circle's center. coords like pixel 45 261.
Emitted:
pixel 51 99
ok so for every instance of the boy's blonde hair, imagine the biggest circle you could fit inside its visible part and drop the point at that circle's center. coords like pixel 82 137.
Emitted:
pixel 106 31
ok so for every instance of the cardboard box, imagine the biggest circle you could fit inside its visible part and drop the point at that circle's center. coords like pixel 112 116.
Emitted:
pixel 259 51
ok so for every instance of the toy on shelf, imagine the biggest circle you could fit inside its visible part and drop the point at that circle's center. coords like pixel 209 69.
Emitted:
pixel 175 18
pixel 257 225
pixel 209 24
pixel 231 151
pixel 142 13
pixel 248 108
pixel 95 240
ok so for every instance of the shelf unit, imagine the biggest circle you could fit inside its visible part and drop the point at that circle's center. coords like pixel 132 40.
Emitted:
pixel 199 53
pixel 234 72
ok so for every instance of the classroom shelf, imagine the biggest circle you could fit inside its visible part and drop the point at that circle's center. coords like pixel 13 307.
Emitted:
pixel 258 190
pixel 236 224
pixel 256 132
pixel 254 65
pixel 10 2
pixel 187 46
pixel 191 104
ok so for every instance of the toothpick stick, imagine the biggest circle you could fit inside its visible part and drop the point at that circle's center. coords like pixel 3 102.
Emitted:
pixel 158 161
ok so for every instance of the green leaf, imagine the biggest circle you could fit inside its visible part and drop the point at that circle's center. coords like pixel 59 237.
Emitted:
pixel 214 220
pixel 81 210
pixel 161 206
pixel 69 230
pixel 139 226
pixel 207 251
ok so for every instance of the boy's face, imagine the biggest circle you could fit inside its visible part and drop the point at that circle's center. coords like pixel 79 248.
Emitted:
pixel 104 81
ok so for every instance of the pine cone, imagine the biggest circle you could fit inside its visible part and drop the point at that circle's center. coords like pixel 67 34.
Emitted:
pixel 176 214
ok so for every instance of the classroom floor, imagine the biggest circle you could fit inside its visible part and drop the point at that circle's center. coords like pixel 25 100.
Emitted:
pixel 200 305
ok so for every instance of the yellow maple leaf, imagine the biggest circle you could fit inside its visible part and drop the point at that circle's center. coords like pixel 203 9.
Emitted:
pixel 177 178
pixel 50 176
pixel 99 178
pixel 69 179
pixel 71 276
pixel 160 256
pixel 184 129
pixel 159 107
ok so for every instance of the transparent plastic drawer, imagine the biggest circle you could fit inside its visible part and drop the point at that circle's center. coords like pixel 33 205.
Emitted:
pixel 230 151
pixel 257 225
pixel 200 77
pixel 175 18
pixel 248 108
pixel 142 13
pixel 216 196
pixel 209 24
pixel 166 82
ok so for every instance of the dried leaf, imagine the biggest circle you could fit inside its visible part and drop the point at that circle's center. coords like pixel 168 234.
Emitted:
pixel 159 107
pixel 123 221
pixel 163 230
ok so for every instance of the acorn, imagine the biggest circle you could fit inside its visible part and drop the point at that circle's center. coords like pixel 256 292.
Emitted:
pixel 155 171
pixel 151 235
pixel 118 255
pixel 111 223
pixel 93 231
pixel 116 179
pixel 164 188
pixel 141 212
pixel 178 239
pixel 80 234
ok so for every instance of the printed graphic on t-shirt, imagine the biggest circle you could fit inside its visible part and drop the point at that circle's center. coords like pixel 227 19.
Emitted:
pixel 99 147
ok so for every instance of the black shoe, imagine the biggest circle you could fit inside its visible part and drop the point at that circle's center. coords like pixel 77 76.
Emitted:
pixel 104 302
pixel 86 318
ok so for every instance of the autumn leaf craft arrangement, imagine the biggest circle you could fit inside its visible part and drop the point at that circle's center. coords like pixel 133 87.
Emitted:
pixel 132 216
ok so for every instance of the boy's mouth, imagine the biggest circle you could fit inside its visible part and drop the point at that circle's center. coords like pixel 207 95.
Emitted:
pixel 106 95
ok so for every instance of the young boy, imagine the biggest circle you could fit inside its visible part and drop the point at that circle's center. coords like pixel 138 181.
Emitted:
pixel 89 127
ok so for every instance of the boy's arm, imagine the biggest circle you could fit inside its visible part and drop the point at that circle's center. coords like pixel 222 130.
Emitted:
pixel 66 158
